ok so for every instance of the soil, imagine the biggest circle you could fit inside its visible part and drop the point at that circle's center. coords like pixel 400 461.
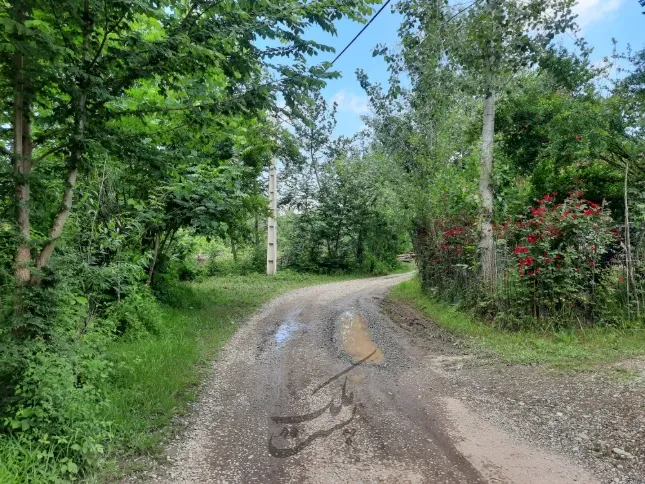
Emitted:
pixel 582 415
pixel 336 384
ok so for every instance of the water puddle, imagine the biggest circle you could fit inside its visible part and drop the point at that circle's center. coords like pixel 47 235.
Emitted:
pixel 285 331
pixel 356 340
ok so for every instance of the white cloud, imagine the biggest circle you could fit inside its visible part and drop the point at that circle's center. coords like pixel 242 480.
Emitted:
pixel 348 102
pixel 590 11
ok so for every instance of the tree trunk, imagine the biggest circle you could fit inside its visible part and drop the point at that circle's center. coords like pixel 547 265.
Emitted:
pixel 78 150
pixel 22 148
pixel 234 250
pixel 155 254
pixel 486 194
pixel 360 248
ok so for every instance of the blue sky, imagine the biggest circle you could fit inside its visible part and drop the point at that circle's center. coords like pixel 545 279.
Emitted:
pixel 600 20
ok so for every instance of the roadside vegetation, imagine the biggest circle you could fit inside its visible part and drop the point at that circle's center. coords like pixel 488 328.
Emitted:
pixel 152 378
pixel 135 142
pixel 525 167
pixel 578 349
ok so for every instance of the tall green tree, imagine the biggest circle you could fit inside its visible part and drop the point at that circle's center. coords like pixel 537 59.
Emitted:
pixel 484 44
pixel 68 66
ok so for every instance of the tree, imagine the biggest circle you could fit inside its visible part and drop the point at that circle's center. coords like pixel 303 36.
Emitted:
pixel 71 66
pixel 486 43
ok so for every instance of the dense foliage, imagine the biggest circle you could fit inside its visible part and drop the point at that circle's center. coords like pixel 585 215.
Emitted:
pixel 345 205
pixel 536 220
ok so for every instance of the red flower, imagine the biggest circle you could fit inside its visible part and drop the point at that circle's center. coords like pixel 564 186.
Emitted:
pixel 592 264
pixel 520 249
pixel 574 216
pixel 588 212
pixel 593 248
pixel 621 278
pixel 538 212
pixel 532 238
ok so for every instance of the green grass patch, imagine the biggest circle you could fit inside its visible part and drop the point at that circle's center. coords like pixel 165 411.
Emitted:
pixel 20 462
pixel 576 349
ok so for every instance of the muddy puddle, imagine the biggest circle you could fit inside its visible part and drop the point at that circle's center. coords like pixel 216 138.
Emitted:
pixel 285 332
pixel 356 340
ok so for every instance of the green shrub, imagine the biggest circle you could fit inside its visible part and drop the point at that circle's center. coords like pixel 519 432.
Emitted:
pixel 137 315
pixel 556 266
pixel 53 353
pixel 57 403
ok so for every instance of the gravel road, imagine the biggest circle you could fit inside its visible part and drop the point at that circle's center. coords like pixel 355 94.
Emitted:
pixel 321 386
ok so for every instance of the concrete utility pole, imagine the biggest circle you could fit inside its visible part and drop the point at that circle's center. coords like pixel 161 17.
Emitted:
pixel 272 229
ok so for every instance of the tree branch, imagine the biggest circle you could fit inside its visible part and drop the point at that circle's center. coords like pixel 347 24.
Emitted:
pixel 106 34
pixel 48 152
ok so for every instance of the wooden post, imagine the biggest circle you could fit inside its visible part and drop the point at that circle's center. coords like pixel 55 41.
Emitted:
pixel 272 230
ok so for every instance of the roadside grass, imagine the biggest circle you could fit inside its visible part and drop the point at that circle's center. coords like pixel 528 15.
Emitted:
pixel 579 350
pixel 404 267
pixel 20 463
pixel 155 378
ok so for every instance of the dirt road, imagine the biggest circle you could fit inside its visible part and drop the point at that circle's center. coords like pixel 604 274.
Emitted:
pixel 322 387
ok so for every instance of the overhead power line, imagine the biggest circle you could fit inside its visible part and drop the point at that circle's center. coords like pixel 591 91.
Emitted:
pixel 361 32
pixel 265 84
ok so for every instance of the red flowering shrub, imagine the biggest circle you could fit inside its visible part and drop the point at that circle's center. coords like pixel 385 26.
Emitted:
pixel 556 257
pixel 553 263
pixel 446 252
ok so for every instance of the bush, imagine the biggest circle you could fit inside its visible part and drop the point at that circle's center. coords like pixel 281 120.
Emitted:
pixel 53 362
pixel 446 252
pixel 58 400
pixel 556 263
pixel 137 315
